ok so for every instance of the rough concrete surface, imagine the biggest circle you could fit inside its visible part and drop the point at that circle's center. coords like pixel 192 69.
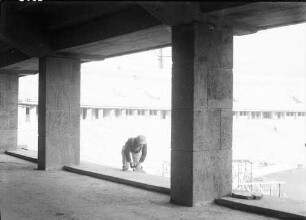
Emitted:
pixel 28 193
pixel 137 179
pixel 202 93
pixel 284 208
pixel 59 112
pixel 8 111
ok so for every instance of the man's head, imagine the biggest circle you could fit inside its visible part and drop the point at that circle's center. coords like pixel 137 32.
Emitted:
pixel 140 140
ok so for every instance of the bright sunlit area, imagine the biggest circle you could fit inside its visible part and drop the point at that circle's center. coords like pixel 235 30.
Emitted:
pixel 130 95
pixel 124 97
pixel 121 98
pixel 269 124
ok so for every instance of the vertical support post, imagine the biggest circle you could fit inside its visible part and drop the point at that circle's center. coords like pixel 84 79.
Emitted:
pixel 202 101
pixel 8 110
pixel 59 113
pixel 81 113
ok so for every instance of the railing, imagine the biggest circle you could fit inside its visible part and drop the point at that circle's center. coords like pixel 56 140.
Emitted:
pixel 242 179
pixel 272 188
pixel 242 172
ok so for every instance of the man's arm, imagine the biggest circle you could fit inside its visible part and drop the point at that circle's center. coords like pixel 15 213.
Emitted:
pixel 128 149
pixel 127 154
pixel 144 153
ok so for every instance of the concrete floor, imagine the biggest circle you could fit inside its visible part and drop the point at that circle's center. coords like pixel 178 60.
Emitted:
pixel 27 193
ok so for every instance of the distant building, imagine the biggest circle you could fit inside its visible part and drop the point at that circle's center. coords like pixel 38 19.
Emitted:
pixel 28 111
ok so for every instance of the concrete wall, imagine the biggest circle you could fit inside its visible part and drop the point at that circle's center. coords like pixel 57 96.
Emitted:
pixel 59 112
pixel 8 111
pixel 202 96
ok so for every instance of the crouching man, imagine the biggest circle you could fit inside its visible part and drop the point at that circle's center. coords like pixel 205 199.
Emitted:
pixel 137 148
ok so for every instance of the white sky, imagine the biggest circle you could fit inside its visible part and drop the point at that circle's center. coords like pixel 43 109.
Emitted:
pixel 270 67
pixel 278 54
pixel 278 51
pixel 143 62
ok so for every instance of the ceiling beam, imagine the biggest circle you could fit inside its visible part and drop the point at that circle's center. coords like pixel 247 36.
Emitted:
pixel 4 47
pixel 239 28
pixel 173 13
pixel 19 72
pixel 12 56
pixel 207 7
pixel 250 9
pixel 120 23
pixel 80 12
pixel 22 33
pixel 80 56
pixel 139 50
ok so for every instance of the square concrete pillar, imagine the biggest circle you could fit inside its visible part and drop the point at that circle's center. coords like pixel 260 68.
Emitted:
pixel 8 110
pixel 81 113
pixel 202 97
pixel 59 113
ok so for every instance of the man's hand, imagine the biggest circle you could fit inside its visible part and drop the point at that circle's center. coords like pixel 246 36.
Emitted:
pixel 138 166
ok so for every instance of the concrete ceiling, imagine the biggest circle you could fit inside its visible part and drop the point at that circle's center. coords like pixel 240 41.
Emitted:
pixel 97 30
